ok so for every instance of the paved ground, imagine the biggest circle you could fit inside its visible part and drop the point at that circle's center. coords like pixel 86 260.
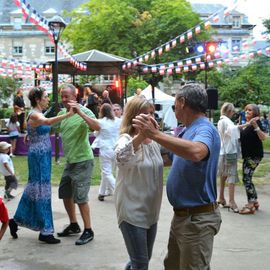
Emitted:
pixel 242 244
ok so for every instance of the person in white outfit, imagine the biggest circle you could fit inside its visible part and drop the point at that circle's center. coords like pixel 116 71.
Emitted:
pixel 227 169
pixel 105 140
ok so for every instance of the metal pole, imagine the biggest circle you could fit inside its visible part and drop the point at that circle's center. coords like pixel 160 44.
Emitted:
pixel 55 98
pixel 205 74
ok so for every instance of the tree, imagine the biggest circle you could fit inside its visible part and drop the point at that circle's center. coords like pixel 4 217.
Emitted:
pixel 250 84
pixel 8 87
pixel 130 27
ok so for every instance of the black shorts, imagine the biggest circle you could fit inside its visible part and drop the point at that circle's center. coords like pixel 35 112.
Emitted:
pixel 11 182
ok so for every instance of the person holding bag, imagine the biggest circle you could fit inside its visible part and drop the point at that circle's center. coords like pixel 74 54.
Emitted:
pixel 227 169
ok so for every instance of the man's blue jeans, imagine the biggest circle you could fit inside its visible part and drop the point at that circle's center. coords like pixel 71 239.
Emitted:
pixel 139 243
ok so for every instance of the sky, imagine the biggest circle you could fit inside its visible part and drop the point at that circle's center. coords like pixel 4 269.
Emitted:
pixel 256 10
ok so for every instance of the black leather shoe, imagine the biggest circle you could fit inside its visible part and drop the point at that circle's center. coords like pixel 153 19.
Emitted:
pixel 70 229
pixel 13 227
pixel 101 197
pixel 86 237
pixel 49 239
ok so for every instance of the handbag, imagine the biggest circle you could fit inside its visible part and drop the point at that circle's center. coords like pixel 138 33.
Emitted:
pixel 231 157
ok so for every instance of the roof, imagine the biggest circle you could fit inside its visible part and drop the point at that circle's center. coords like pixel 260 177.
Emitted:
pixel 98 63
pixel 209 9
pixel 96 56
pixel 7 6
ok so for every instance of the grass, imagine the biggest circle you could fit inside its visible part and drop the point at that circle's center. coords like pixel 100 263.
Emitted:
pixel 261 175
pixel 266 144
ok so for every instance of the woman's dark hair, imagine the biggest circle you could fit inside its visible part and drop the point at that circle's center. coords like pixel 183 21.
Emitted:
pixel 106 110
pixel 35 94
pixel 13 118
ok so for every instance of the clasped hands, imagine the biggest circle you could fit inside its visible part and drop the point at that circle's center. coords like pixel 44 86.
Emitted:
pixel 74 107
pixel 146 124
pixel 253 121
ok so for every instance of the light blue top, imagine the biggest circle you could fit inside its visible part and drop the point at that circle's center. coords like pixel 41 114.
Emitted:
pixel 193 183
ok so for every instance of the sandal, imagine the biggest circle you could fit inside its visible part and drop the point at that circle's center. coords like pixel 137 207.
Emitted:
pixel 256 205
pixel 234 208
pixel 223 203
pixel 247 210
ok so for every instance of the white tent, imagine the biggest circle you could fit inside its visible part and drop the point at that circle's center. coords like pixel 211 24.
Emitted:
pixel 166 101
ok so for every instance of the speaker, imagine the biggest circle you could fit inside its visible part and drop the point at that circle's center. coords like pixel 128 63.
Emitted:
pixel 212 95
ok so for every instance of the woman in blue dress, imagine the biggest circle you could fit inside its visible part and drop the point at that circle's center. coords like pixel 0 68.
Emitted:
pixel 34 210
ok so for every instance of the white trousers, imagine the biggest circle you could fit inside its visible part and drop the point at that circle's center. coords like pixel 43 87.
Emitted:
pixel 107 184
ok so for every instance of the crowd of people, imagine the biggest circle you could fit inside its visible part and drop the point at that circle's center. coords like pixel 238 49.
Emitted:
pixel 132 153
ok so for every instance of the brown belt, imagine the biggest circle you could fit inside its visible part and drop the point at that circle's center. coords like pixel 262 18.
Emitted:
pixel 184 212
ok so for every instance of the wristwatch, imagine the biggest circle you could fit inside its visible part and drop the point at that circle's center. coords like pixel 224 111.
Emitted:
pixel 257 129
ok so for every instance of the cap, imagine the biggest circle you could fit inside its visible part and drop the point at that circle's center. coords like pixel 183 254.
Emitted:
pixel 4 146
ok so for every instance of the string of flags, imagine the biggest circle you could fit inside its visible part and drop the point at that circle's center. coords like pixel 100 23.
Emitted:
pixel 182 38
pixel 201 62
pixel 42 24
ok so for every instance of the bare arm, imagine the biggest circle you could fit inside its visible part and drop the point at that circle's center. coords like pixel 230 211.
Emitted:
pixel 194 151
pixel 36 119
pixel 7 168
pixel 91 122
pixel 257 129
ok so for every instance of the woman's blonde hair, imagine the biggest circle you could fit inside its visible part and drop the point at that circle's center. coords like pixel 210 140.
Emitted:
pixel 227 108
pixel 134 107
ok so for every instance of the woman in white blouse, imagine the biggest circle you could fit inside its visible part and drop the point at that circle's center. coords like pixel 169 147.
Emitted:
pixel 139 186
pixel 227 170
pixel 105 140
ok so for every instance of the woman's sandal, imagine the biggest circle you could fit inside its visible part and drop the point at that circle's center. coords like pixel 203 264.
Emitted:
pixel 247 210
pixel 256 205
pixel 234 208
pixel 223 203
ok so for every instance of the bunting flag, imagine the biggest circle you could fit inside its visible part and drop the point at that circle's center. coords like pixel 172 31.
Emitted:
pixel 207 24
pixel 189 35
pixel 182 39
pixel 216 18
pixel 33 17
pixel 25 9
pixel 198 29
pixel 42 24
pixel 167 47
pixel 178 70
pixel 154 69
pixel 227 12
pixel 146 57
pixel 18 3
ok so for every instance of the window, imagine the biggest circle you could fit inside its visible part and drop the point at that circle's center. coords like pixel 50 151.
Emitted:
pixel 17 23
pixel 236 21
pixel 17 48
pixel 236 45
pixel 49 48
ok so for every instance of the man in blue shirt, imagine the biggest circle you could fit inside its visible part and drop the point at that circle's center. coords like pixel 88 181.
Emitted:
pixel 191 185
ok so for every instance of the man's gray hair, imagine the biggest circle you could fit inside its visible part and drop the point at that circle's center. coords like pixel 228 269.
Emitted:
pixel 68 86
pixel 195 97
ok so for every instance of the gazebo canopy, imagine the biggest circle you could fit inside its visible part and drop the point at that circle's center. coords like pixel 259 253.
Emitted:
pixel 98 63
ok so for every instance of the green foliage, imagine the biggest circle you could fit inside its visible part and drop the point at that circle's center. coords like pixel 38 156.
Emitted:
pixel 266 144
pixel 250 84
pixel 128 27
pixel 5 112
pixel 134 83
pixel 8 86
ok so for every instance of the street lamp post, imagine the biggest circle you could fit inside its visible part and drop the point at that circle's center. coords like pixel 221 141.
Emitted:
pixel 57 26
